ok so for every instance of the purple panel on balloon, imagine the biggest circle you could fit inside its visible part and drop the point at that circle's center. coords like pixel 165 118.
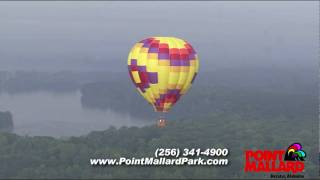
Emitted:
pixel 174 62
pixel 144 41
pixel 142 68
pixel 148 40
pixel 146 85
pixel 133 62
pixel 192 56
pixel 185 63
pixel 157 102
pixel 153 77
pixel 146 45
pixel 173 91
pixel 163 56
pixel 153 50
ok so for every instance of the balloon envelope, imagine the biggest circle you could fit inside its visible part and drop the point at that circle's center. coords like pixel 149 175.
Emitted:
pixel 162 69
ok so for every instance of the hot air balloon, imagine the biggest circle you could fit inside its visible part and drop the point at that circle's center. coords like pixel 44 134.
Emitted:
pixel 162 70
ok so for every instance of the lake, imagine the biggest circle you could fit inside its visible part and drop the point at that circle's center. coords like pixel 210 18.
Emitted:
pixel 60 115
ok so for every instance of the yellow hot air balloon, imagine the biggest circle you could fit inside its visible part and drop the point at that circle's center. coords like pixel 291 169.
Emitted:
pixel 162 69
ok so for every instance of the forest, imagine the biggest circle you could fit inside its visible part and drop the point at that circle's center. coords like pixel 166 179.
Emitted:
pixel 45 157
pixel 269 111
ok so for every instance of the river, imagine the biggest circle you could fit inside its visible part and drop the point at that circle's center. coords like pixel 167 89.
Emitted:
pixel 59 115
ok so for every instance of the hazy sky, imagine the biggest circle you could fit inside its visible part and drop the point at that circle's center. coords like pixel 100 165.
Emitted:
pixel 99 35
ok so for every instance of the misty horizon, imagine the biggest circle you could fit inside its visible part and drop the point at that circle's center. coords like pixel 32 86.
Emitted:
pixel 97 36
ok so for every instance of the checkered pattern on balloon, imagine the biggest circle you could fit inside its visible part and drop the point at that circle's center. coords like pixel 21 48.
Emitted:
pixel 162 69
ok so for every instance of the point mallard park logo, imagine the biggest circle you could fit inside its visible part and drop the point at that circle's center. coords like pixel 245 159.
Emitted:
pixel 290 160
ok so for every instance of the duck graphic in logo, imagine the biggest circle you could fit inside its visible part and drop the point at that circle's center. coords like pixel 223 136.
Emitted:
pixel 295 153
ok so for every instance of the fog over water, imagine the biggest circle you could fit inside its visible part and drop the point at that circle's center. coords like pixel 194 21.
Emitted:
pixel 61 114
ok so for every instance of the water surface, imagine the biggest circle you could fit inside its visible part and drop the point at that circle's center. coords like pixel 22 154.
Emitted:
pixel 59 114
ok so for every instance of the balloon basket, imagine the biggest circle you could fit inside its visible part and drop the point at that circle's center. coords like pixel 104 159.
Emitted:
pixel 161 123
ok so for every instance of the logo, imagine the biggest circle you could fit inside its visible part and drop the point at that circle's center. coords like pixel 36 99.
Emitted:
pixel 290 161
pixel 295 153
